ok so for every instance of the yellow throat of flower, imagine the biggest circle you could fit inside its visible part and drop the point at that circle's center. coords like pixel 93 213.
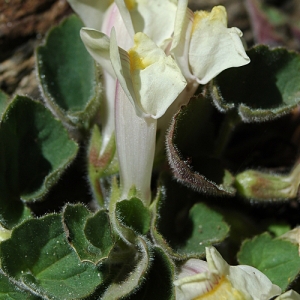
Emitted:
pixel 222 291
pixel 218 14
pixel 140 58
pixel 130 4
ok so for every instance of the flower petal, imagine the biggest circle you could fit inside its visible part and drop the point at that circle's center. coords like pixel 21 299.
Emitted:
pixel 182 35
pixel 91 11
pixel 124 6
pixel 252 282
pixel 192 267
pixel 215 261
pixel 143 16
pixel 121 65
pixel 192 287
pixel 157 80
pixel 213 46
pixel 97 44
pixel 222 281
pixel 114 19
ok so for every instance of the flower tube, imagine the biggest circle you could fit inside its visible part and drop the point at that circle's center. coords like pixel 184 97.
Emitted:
pixel 150 82
pixel 215 279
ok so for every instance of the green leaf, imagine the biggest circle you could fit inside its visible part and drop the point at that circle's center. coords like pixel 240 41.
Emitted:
pixel 126 234
pixel 278 259
pixel 13 290
pixel 278 229
pixel 161 274
pixel 133 214
pixel 187 230
pixel 206 228
pixel 265 89
pixel 191 149
pixel 132 273
pixel 34 150
pixel 156 222
pixel 4 101
pixel 68 75
pixel 39 255
pixel 89 234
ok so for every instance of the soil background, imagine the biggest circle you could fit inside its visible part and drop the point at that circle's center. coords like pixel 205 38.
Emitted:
pixel 24 23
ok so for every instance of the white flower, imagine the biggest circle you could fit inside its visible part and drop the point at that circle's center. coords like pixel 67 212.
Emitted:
pixel 150 79
pixel 155 18
pixel 91 12
pixel 215 279
pixel 203 46
pixel 152 49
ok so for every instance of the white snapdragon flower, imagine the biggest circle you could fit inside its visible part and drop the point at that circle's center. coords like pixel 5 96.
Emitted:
pixel 153 62
pixel 150 79
pixel 91 12
pixel 150 82
pixel 215 280
pixel 203 46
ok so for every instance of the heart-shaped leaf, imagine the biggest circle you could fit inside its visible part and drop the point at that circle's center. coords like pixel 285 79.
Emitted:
pixel 191 149
pixel 278 259
pixel 188 228
pixel 12 290
pixel 89 234
pixel 265 89
pixel 68 75
pixel 35 149
pixel 161 274
pixel 133 214
pixel 39 255
pixel 135 270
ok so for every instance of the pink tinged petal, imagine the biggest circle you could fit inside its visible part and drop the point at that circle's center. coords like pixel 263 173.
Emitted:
pixel 213 46
pixel 181 40
pixel 222 281
pixel 91 12
pixel 124 6
pixel 114 19
pixel 107 111
pixel 135 139
pixel 192 267
pixel 97 44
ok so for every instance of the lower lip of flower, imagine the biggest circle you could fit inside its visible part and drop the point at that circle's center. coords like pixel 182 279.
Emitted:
pixel 223 290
